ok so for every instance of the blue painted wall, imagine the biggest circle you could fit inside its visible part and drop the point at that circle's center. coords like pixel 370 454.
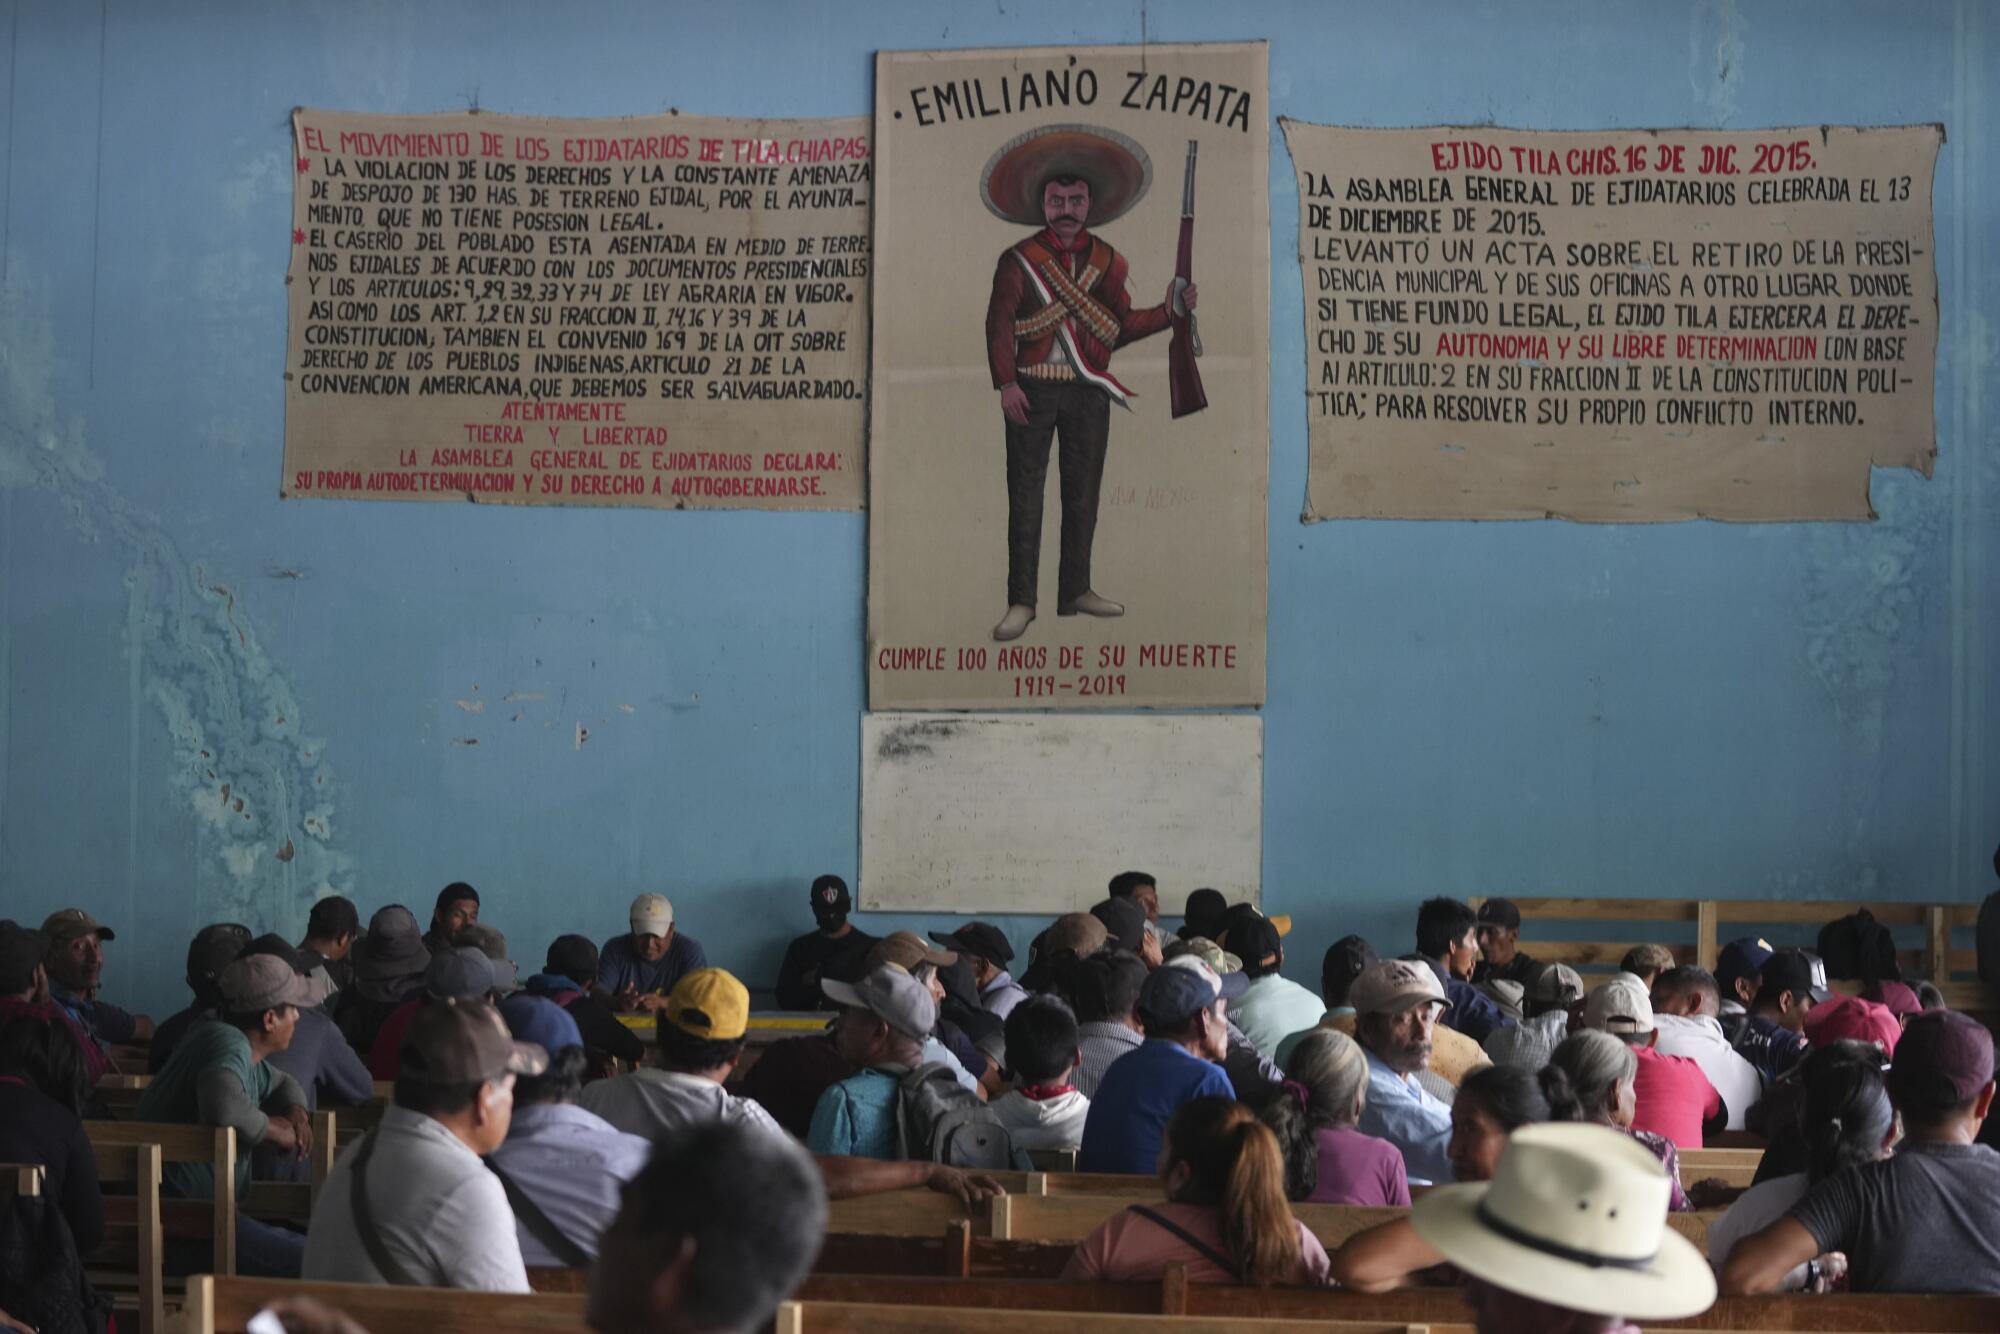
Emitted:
pixel 1691 709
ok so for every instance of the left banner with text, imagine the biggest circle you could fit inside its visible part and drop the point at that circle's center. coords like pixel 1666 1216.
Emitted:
pixel 668 311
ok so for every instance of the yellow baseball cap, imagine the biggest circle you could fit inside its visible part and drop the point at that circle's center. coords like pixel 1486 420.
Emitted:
pixel 710 1003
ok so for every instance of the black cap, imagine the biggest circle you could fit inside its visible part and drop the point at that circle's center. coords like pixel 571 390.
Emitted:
pixel 1204 912
pixel 21 952
pixel 573 957
pixel 213 949
pixel 1797 972
pixel 1125 920
pixel 1500 912
pixel 1254 939
pixel 830 897
pixel 980 938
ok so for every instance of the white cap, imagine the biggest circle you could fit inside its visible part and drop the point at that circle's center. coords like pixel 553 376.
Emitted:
pixel 652 915
pixel 1619 1006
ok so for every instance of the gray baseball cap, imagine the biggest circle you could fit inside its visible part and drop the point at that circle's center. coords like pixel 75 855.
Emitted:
pixel 891 995
pixel 259 982
pixel 459 973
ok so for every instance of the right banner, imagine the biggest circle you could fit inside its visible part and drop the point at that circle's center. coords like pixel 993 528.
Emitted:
pixel 1617 326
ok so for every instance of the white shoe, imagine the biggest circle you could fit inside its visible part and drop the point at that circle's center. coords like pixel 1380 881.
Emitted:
pixel 1014 624
pixel 1091 604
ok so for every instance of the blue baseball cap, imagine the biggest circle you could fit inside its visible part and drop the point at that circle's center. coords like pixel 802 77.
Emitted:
pixel 1177 992
pixel 1741 958
pixel 539 1020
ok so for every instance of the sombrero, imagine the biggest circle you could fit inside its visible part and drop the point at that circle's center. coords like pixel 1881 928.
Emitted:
pixel 1575 1216
pixel 1117 168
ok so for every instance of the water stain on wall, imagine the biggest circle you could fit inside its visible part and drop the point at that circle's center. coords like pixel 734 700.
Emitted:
pixel 252 779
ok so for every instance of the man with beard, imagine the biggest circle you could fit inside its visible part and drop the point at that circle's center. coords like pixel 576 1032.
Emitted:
pixel 1396 1004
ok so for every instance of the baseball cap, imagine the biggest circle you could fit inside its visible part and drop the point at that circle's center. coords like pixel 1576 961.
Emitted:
pixel 1620 1005
pixel 1943 1059
pixel 1795 971
pixel 492 942
pixel 1390 986
pixel 1227 985
pixel 317 983
pixel 257 982
pixel 905 949
pixel 67 924
pixel 1205 912
pixel 393 947
pixel 573 957
pixel 459 973
pixel 1176 993
pixel 1743 957
pixel 891 995
pixel 1079 932
pixel 214 948
pixel 830 897
pixel 1852 1017
pixel 710 1004
pixel 21 952
pixel 1899 997
pixel 1124 921
pixel 652 915
pixel 1256 939
pixel 465 1042
pixel 1210 953
pixel 539 1020
pixel 1554 984
pixel 1499 912
pixel 1240 913
pixel 982 940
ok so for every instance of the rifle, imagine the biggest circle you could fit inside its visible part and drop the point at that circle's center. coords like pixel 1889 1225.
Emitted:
pixel 1183 377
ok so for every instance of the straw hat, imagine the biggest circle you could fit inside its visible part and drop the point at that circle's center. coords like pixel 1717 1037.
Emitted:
pixel 1575 1216
pixel 1117 168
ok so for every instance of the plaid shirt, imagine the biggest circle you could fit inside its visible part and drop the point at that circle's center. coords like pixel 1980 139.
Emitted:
pixel 1528 1044
pixel 1101 1044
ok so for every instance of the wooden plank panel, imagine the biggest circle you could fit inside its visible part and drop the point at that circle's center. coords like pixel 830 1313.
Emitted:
pixel 1604 910
pixel 902 1213
pixel 381 1309
pixel 862 1318
pixel 1813 912
pixel 1597 953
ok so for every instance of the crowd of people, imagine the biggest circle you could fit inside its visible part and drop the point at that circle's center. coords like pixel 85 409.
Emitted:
pixel 530 1126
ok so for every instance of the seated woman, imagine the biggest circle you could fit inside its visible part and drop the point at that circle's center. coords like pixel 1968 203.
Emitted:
pixel 1491 1105
pixel 1589 1078
pixel 1328 1161
pixel 1226 1217
pixel 1569 1237
pixel 1844 1119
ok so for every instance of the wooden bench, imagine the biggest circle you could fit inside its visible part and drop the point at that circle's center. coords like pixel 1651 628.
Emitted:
pixel 867 1318
pixel 131 1261
pixel 1694 929
pixel 213 1146
pixel 219 1305
pixel 1736 1166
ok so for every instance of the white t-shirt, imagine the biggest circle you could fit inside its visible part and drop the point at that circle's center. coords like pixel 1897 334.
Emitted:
pixel 1273 1008
pixel 1756 1209
pixel 1699 1038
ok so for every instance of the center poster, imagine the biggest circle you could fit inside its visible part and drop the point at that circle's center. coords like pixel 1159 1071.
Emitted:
pixel 1071 320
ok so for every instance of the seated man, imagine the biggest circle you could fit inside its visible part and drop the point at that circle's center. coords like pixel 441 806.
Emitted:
pixel 569 978
pixel 389 966
pixel 1738 973
pixel 1142 889
pixel 332 928
pixel 832 948
pixel 1272 1007
pixel 1104 991
pixel 1073 936
pixel 1447 939
pixel 412 1204
pixel 717 1230
pixel 884 1020
pixel 1183 1008
pixel 1453 1055
pixel 1044 1110
pixel 1396 1005
pixel 1498 933
pixel 1773 1036
pixel 1546 1001
pixel 985 947
pixel 1686 1009
pixel 563 1168
pixel 76 972
pixel 318 1057
pixel 459 973
pixel 701 1034
pixel 1125 929
pixel 221 1075
pixel 638 970
pixel 213 948
pixel 1671 1096
pixel 1647 962
pixel 1925 1220
pixel 457 908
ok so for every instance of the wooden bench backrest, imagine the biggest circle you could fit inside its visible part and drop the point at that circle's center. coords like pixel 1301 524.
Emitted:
pixel 213 1145
pixel 135 1237
pixel 219 1305
pixel 866 1318
pixel 1729 1164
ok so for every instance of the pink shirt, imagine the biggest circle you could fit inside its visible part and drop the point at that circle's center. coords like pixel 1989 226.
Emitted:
pixel 1359 1169
pixel 1133 1248
pixel 1673 1097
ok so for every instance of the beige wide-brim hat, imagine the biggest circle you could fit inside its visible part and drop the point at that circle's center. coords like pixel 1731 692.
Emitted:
pixel 1118 169
pixel 1575 1216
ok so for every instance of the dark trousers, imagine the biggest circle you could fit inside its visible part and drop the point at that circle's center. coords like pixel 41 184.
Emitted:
pixel 1078 416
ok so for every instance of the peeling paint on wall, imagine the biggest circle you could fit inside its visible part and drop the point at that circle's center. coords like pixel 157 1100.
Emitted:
pixel 1716 51
pixel 251 777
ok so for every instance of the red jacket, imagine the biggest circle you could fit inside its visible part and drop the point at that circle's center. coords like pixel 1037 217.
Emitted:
pixel 1015 298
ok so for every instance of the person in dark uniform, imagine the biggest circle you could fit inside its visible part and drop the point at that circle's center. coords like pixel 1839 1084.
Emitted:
pixel 832 949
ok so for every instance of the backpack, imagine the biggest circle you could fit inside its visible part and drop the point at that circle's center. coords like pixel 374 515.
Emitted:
pixel 42 1280
pixel 939 1120
pixel 1859 947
